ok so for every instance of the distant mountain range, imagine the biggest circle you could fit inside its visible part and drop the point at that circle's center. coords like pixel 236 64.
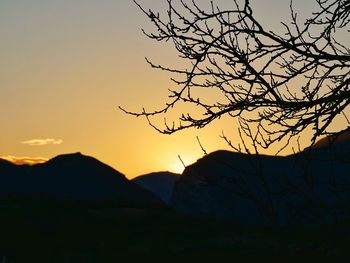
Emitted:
pixel 74 208
pixel 311 187
pixel 72 177
pixel 161 183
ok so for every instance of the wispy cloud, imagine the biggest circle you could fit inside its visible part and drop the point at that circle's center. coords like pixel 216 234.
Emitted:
pixel 42 142
pixel 24 160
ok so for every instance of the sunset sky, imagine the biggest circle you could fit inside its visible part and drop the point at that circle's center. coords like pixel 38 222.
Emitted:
pixel 66 66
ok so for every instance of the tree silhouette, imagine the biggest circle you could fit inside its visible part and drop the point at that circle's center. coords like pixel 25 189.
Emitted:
pixel 277 85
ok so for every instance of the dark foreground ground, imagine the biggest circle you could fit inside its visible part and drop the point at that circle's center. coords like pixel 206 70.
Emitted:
pixel 65 231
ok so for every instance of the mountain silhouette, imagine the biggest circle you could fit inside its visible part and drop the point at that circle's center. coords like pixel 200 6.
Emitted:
pixel 311 187
pixel 336 140
pixel 160 183
pixel 6 167
pixel 76 223
pixel 72 177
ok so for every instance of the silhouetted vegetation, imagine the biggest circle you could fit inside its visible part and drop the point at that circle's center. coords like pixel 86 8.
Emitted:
pixel 277 84
pixel 76 209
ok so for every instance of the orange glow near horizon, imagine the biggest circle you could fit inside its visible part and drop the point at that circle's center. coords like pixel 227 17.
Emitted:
pixel 65 68
pixel 177 168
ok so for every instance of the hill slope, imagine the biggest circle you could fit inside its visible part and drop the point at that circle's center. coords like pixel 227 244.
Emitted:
pixel 312 187
pixel 73 177
pixel 161 183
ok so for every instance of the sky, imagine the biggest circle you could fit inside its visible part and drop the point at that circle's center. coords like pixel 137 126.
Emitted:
pixel 66 66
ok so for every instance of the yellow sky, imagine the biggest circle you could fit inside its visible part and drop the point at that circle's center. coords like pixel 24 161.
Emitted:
pixel 66 66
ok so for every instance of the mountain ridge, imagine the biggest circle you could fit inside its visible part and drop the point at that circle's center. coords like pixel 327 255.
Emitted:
pixel 310 187
pixel 74 177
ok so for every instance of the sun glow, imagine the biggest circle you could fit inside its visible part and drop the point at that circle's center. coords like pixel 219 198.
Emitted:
pixel 177 167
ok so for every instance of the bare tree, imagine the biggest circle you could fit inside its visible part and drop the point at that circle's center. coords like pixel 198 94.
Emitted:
pixel 278 85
